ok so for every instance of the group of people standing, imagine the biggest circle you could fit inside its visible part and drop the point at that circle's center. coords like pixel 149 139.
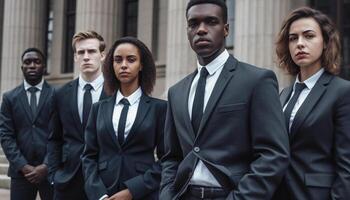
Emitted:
pixel 224 132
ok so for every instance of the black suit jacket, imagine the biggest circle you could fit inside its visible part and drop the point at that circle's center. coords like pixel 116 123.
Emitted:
pixel 109 167
pixel 241 138
pixel 320 143
pixel 24 136
pixel 66 142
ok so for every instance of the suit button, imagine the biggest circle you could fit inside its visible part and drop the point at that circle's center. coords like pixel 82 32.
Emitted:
pixel 196 149
pixel 33 125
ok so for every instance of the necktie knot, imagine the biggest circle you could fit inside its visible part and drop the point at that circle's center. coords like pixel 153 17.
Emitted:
pixel 124 101
pixel 204 72
pixel 88 87
pixel 299 87
pixel 33 89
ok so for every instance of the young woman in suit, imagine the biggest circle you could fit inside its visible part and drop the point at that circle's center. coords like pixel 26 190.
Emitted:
pixel 124 131
pixel 316 108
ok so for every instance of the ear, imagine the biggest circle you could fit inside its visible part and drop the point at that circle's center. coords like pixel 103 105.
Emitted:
pixel 103 56
pixel 226 29
pixel 75 57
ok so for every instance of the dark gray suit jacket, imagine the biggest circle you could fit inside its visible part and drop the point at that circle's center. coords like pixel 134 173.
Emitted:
pixel 66 142
pixel 109 167
pixel 320 143
pixel 24 136
pixel 241 139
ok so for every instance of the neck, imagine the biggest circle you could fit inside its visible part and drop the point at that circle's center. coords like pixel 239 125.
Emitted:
pixel 90 77
pixel 33 82
pixel 128 89
pixel 307 72
pixel 206 60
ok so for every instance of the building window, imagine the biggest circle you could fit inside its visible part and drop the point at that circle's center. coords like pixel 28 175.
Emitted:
pixel 70 6
pixel 230 20
pixel 49 32
pixel 336 10
pixel 130 18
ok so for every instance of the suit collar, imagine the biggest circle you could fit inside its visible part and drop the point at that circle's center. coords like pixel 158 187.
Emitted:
pixel 310 102
pixel 25 103
pixel 73 93
pixel 44 95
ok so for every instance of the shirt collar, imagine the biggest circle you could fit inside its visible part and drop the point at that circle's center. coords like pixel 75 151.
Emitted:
pixel 133 98
pixel 39 85
pixel 214 65
pixel 96 84
pixel 311 81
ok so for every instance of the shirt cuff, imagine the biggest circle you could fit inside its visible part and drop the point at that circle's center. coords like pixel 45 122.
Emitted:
pixel 104 196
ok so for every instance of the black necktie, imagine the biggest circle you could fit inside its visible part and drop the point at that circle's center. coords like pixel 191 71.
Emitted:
pixel 288 111
pixel 87 102
pixel 33 101
pixel 198 102
pixel 122 120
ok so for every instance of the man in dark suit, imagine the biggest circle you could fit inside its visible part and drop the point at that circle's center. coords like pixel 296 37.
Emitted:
pixel 225 136
pixel 72 106
pixel 24 118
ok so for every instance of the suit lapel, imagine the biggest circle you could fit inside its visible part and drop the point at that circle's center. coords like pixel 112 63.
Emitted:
pixel 25 103
pixel 311 100
pixel 226 74
pixel 43 97
pixel 285 95
pixel 73 92
pixel 108 119
pixel 103 94
pixel 183 104
pixel 142 110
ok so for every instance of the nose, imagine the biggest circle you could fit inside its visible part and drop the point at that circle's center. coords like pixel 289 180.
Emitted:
pixel 86 55
pixel 202 29
pixel 300 43
pixel 124 65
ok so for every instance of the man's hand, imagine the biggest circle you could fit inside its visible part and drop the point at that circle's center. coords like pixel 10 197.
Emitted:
pixel 37 174
pixel 26 169
pixel 122 195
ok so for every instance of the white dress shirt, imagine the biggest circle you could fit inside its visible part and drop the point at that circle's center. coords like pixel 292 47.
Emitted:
pixel 310 83
pixel 37 93
pixel 201 175
pixel 134 100
pixel 97 86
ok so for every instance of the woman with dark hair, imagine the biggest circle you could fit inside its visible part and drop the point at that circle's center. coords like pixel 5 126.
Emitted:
pixel 316 108
pixel 124 131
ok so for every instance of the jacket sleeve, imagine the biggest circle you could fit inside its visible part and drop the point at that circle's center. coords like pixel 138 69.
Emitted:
pixel 142 185
pixel 55 141
pixel 94 186
pixel 9 135
pixel 173 155
pixel 269 140
pixel 341 185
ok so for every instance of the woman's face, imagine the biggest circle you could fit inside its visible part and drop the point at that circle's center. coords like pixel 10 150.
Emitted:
pixel 127 64
pixel 306 43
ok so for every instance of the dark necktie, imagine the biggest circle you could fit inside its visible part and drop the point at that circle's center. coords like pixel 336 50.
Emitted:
pixel 198 102
pixel 122 120
pixel 87 102
pixel 288 111
pixel 33 100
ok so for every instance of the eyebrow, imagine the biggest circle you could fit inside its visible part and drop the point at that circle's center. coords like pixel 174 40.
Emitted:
pixel 306 31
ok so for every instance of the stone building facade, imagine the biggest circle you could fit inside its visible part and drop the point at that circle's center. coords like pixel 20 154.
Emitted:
pixel 50 25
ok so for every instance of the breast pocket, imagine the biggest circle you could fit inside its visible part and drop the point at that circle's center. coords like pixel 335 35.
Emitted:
pixel 231 107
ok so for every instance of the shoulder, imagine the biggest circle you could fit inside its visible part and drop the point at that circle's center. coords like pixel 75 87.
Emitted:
pixel 67 86
pixel 14 92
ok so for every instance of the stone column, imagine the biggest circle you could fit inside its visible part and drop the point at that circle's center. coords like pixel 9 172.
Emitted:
pixel 24 26
pixel 100 16
pixel 180 59
pixel 145 22
pixel 256 28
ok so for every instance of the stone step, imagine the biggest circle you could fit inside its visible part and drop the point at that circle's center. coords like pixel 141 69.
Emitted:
pixel 3 169
pixel 4 181
pixel 3 159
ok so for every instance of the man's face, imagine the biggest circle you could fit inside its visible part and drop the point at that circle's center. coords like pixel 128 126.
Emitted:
pixel 88 56
pixel 206 30
pixel 33 67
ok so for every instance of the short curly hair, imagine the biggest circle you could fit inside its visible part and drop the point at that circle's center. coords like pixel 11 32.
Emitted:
pixel 330 58
pixel 147 76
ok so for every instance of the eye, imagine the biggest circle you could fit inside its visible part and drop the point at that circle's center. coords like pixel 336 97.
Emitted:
pixel 118 59
pixel 309 36
pixel 132 59
pixel 212 21
pixel 192 23
pixel 37 61
pixel 292 38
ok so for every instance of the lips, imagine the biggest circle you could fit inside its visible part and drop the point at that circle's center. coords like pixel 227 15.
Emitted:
pixel 301 55
pixel 202 41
